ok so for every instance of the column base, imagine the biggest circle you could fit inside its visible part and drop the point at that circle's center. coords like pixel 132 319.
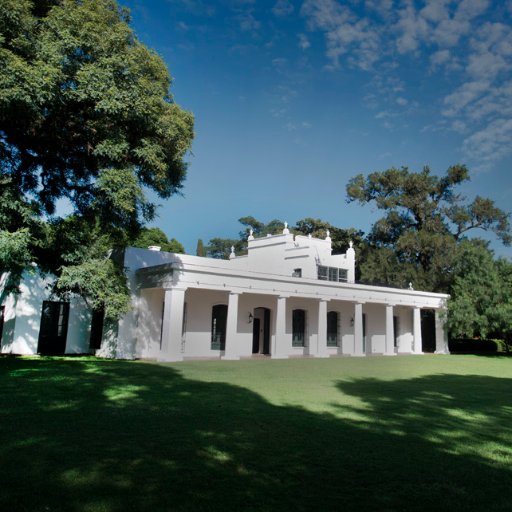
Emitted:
pixel 389 354
pixel 272 356
pixel 230 358
pixel 358 355
pixel 321 356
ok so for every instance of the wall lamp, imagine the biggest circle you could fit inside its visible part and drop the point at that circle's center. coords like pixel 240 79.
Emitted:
pixel 250 318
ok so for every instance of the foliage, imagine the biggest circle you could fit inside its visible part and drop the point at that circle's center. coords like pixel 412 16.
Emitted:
pixel 259 229
pixel 100 282
pixel 221 247
pixel 14 259
pixel 424 220
pixel 155 236
pixel 340 237
pixel 200 250
pixel 481 293
pixel 86 116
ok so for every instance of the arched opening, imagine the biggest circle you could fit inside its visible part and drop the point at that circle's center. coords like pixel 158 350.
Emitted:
pixel 428 330
pixel 261 331
pixel 219 322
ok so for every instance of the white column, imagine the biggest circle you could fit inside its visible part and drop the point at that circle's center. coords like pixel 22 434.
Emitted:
pixel 358 330
pixel 172 325
pixel 322 330
pixel 280 334
pixel 231 348
pixel 417 342
pixel 390 332
pixel 441 333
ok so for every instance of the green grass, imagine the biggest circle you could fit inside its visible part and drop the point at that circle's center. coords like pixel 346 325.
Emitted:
pixel 379 434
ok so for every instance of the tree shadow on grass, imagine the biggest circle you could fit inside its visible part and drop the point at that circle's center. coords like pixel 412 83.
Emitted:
pixel 117 436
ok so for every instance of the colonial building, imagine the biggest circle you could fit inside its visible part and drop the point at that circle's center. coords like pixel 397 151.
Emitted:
pixel 288 297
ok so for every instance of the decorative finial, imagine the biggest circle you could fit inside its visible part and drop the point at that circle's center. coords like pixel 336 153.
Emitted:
pixel 250 237
pixel 232 255
pixel 328 236
pixel 286 231
pixel 309 236
pixel 351 244
pixel 410 286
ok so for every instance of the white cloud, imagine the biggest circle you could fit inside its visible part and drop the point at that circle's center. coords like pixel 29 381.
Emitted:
pixel 467 40
pixel 439 58
pixel 282 8
pixel 279 62
pixel 459 126
pixel 382 7
pixel 469 9
pixel 413 29
pixel 435 10
pixel 304 43
pixel 463 96
pixel 345 34
pixel 247 22
pixel 491 143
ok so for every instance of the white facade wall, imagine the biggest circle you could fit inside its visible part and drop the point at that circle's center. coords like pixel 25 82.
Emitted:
pixel 22 318
pixel 173 296
pixel 264 279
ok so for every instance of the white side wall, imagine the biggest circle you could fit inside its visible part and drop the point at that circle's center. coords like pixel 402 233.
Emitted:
pixel 149 323
pixel 22 318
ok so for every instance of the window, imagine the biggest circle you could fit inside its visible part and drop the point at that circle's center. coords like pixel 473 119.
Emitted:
pixel 323 273
pixel 219 321
pixel 299 328
pixel 332 329
pixel 297 272
pixel 332 274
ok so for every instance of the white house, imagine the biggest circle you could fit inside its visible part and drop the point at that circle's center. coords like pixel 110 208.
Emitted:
pixel 288 297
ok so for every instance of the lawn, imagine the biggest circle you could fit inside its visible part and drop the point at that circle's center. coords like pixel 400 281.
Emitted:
pixel 377 434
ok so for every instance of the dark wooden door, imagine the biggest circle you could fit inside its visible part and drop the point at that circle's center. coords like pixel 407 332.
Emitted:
pixel 2 312
pixel 266 332
pixel 54 328
pixel 97 319
pixel 428 330
pixel 256 336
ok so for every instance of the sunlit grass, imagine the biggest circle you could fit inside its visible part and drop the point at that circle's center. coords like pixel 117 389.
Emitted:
pixel 403 433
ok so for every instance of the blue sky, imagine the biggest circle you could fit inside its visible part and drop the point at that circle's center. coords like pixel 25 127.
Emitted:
pixel 293 98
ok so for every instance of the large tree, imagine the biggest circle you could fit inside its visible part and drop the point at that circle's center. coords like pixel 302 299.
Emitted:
pixel 86 116
pixel 155 236
pixel 425 218
pixel 481 293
